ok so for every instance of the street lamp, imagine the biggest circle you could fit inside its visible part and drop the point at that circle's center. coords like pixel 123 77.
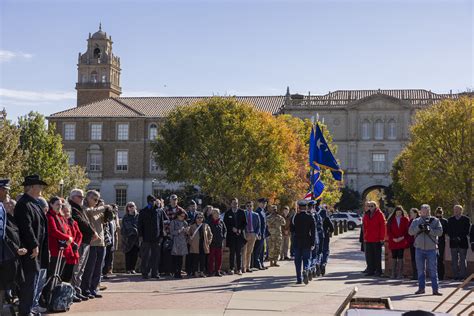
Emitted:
pixel 152 185
pixel 61 187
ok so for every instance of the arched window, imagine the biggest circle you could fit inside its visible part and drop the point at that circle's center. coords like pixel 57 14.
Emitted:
pixel 97 52
pixel 152 131
pixel 94 76
pixel 366 129
pixel 378 130
pixel 392 129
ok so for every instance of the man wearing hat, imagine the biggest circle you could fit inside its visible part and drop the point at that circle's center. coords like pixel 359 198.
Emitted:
pixel 328 229
pixel 315 261
pixel 258 250
pixel 32 225
pixel 304 228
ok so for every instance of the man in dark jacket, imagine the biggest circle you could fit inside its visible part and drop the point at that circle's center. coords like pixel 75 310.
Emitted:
pixel 304 227
pixel 328 229
pixel 76 199
pixel 258 248
pixel 32 225
pixel 458 230
pixel 150 232
pixel 235 221
pixel 441 242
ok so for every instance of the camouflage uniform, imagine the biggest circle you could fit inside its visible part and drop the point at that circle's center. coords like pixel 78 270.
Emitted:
pixel 274 222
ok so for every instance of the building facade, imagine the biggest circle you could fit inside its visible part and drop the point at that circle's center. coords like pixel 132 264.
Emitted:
pixel 111 136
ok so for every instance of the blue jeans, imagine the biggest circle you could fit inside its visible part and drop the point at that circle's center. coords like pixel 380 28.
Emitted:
pixel 301 256
pixel 430 258
pixel 92 272
pixel 40 283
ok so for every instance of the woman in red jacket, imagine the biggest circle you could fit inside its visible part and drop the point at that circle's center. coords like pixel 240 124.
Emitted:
pixel 59 236
pixel 374 227
pixel 398 238
pixel 72 251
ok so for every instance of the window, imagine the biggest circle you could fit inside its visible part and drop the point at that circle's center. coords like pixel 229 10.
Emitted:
pixel 153 165
pixel 96 131
pixel 378 162
pixel 84 78
pixel 69 131
pixel 392 129
pixel 94 77
pixel 122 160
pixel 378 130
pixel 366 129
pixel 152 131
pixel 104 78
pixel 95 161
pixel 122 131
pixel 71 154
pixel 121 197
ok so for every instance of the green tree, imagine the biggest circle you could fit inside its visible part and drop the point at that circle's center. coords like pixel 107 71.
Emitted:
pixel 350 200
pixel 44 155
pixel 436 166
pixel 11 155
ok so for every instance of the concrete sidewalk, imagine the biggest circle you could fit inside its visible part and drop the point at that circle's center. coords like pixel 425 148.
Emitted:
pixel 263 292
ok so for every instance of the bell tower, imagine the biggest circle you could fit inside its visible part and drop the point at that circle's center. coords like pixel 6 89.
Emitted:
pixel 98 70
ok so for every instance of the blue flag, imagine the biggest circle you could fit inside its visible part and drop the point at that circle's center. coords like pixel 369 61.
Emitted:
pixel 321 156
pixel 317 186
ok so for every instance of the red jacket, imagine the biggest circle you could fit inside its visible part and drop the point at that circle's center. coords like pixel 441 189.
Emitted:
pixel 410 239
pixel 374 227
pixel 72 257
pixel 58 229
pixel 395 231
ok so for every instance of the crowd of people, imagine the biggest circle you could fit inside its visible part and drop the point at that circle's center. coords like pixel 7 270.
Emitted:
pixel 424 236
pixel 74 239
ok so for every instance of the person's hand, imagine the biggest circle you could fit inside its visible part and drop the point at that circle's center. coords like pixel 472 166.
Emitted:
pixel 34 253
pixel 22 251
pixel 235 230
pixel 312 247
pixel 401 238
pixel 69 241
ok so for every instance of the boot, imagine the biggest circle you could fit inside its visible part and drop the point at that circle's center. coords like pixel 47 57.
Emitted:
pixel 400 269
pixel 393 275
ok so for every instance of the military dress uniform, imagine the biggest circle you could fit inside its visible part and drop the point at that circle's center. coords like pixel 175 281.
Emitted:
pixel 274 222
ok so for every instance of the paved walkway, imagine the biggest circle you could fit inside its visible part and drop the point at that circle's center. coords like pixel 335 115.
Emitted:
pixel 272 291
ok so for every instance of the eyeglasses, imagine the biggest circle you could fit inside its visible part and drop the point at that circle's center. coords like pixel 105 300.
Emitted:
pixel 199 217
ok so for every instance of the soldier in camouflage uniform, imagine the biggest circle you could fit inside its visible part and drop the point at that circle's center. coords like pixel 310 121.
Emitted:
pixel 274 222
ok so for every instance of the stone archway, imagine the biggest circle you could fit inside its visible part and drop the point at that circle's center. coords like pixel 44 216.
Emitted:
pixel 376 193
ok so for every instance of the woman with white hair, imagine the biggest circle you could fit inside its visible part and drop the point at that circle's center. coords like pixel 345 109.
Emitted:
pixel 130 240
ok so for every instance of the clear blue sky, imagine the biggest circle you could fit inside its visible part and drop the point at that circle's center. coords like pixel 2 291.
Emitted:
pixel 221 47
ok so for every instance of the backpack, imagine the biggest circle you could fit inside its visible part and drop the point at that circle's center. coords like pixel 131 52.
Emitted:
pixel 61 297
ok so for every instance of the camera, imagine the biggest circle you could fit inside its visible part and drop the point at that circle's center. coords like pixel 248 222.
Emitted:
pixel 62 243
pixel 425 227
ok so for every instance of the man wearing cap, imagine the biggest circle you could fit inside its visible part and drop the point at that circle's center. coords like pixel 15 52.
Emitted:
pixel 150 232
pixel 32 225
pixel 315 259
pixel 328 229
pixel 258 250
pixel 304 227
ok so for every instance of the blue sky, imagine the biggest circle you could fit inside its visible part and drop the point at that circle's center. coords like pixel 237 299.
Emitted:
pixel 173 48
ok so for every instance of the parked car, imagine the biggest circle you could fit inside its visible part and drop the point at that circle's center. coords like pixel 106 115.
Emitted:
pixel 353 219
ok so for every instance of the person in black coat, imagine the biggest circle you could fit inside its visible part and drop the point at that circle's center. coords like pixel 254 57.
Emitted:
pixel 235 221
pixel 441 242
pixel 150 231
pixel 130 240
pixel 471 237
pixel 76 200
pixel 32 224
pixel 458 230
pixel 303 226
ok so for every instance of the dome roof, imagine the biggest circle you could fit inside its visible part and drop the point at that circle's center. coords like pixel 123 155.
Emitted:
pixel 99 34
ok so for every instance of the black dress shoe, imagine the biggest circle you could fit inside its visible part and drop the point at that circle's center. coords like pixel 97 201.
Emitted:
pixel 420 291
pixel 76 299
pixel 437 293
pixel 82 297
pixel 157 277
pixel 323 270
pixel 299 282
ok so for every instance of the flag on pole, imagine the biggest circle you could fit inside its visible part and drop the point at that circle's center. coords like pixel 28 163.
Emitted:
pixel 321 156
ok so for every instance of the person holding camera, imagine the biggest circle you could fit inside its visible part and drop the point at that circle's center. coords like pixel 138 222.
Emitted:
pixel 98 213
pixel 426 229
pixel 458 231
